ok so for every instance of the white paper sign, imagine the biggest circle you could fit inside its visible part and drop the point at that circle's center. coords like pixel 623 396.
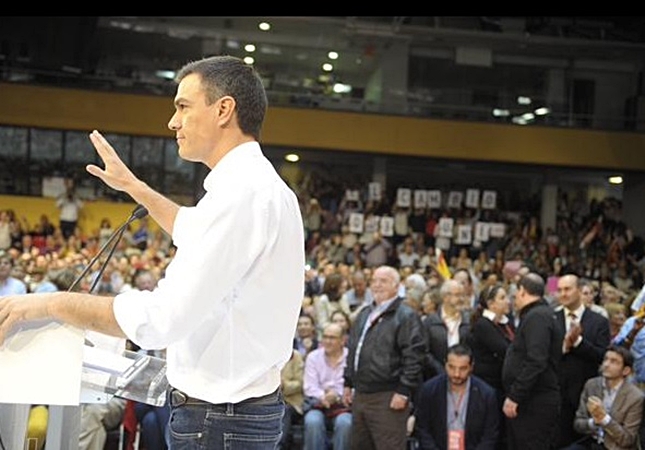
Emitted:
pixel 403 197
pixel 351 195
pixel 445 226
pixel 472 198
pixel 454 199
pixel 482 231
pixel 464 235
pixel 375 191
pixel 489 200
pixel 497 230
pixel 53 186
pixel 387 226
pixel 420 198
pixel 356 222
pixel 433 199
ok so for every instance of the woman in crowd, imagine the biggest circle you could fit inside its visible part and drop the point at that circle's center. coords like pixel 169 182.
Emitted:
pixel 491 333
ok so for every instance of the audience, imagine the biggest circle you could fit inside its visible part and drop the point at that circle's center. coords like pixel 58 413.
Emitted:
pixel 589 243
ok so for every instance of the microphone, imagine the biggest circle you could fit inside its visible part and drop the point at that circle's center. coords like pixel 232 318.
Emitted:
pixel 138 213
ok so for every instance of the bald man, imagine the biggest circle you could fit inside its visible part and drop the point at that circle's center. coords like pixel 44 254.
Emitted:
pixel 583 348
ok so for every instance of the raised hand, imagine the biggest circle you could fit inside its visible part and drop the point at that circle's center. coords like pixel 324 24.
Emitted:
pixel 115 174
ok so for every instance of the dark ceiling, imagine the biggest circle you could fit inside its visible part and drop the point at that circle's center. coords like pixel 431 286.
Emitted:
pixel 126 51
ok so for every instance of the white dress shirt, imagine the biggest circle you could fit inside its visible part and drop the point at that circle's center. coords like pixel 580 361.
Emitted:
pixel 228 305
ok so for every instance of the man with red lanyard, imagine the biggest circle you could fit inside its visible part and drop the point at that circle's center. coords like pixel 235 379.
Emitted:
pixel 457 410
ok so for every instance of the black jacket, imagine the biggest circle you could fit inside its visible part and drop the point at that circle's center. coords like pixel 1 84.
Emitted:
pixel 437 336
pixel 489 344
pixel 531 367
pixel 482 415
pixel 391 355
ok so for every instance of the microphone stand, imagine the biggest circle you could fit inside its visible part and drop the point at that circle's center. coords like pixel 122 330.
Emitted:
pixel 138 213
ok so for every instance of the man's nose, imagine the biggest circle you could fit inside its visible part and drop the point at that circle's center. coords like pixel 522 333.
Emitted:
pixel 173 123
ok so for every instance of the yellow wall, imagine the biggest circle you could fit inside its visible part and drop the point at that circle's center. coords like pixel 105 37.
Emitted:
pixel 93 212
pixel 309 128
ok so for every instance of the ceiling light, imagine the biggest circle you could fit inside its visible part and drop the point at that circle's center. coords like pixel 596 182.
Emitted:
pixel 341 88
pixel 519 120
pixel 616 179
pixel 332 55
pixel 542 111
pixel 292 157
pixel 521 100
pixel 528 116
pixel 119 24
pixel 165 74
pixel 497 112
pixel 327 67
pixel 264 26
pixel 249 48
pixel 249 60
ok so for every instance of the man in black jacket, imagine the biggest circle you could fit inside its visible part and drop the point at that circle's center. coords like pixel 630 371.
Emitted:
pixel 531 368
pixel 384 366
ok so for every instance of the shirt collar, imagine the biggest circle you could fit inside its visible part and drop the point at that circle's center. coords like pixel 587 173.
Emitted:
pixel 490 315
pixel 232 157
pixel 578 312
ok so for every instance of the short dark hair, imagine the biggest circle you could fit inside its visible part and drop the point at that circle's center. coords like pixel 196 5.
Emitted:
pixel 624 352
pixel 460 350
pixel 532 283
pixel 228 75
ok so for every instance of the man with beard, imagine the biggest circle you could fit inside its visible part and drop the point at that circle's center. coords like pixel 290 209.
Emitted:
pixel 457 410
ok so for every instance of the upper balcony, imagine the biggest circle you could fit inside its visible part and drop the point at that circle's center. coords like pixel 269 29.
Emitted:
pixel 550 71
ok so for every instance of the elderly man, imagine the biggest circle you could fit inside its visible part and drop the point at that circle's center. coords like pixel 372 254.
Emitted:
pixel 384 366
pixel 448 326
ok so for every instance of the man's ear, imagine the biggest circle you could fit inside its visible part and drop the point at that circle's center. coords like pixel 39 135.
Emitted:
pixel 226 110
pixel 627 371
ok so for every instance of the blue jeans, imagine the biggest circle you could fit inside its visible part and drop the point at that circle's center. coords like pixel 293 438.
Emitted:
pixel 316 430
pixel 153 422
pixel 226 426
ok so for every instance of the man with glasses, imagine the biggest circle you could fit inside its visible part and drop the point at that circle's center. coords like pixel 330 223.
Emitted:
pixel 323 389
pixel 448 326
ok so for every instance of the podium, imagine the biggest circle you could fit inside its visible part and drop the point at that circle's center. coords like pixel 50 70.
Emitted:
pixel 97 375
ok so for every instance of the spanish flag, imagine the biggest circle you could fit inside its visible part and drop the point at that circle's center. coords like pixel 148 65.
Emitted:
pixel 442 265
